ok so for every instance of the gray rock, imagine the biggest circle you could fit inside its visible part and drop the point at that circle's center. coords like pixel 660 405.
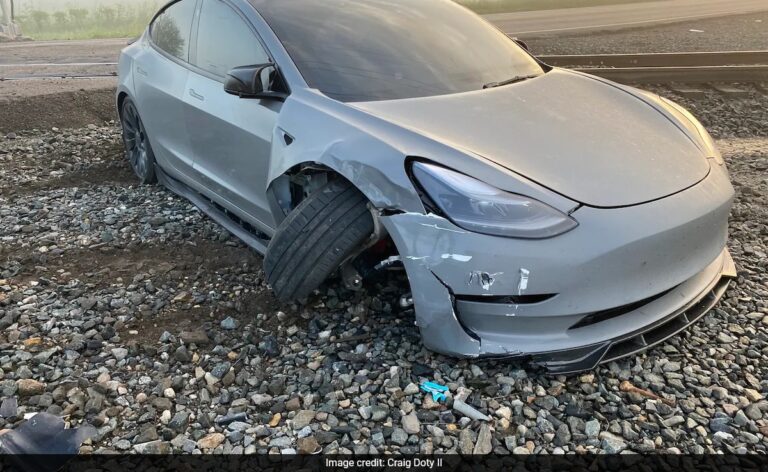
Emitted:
pixel 146 435
pixel 10 408
pixel 466 442
pixel 153 448
pixel 411 424
pixel 308 445
pixel 592 428
pixel 753 412
pixel 179 422
pixel 230 324
pixel 483 445
pixel 303 418
pixel 399 436
pixel 120 353
pixel 613 445
pixel 221 370
pixel 720 424
pixel 379 413
pixel 182 354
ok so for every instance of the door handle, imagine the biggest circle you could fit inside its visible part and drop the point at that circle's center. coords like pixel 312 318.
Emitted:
pixel 196 95
pixel 141 71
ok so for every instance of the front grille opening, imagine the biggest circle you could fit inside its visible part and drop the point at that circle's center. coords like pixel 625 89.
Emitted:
pixel 507 299
pixel 669 328
pixel 600 316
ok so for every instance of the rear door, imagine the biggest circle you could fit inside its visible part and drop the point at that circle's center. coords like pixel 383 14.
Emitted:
pixel 232 137
pixel 161 71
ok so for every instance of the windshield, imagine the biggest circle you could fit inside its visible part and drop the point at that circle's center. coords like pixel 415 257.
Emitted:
pixel 368 50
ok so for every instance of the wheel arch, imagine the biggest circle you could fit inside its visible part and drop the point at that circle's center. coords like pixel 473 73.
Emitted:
pixel 387 189
pixel 120 100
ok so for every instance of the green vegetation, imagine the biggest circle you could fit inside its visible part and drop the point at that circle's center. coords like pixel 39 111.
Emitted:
pixel 90 19
pixel 121 20
pixel 504 6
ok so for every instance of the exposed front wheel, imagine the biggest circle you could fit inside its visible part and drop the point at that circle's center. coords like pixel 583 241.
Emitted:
pixel 325 230
pixel 137 147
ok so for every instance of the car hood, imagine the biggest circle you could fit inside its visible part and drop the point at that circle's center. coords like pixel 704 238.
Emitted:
pixel 582 138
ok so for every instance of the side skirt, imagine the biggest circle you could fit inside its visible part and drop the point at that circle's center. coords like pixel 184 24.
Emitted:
pixel 216 212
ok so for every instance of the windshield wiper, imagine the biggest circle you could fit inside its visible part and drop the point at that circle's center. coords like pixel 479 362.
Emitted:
pixel 513 80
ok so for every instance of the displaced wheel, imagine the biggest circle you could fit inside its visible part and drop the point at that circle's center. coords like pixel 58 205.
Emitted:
pixel 317 237
pixel 137 147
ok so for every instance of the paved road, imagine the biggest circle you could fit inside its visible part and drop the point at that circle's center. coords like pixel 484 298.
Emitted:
pixel 61 52
pixel 616 17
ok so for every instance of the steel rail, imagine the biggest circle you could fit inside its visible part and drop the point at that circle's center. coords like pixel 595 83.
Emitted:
pixel 685 75
pixel 57 76
pixel 661 68
pixel 672 59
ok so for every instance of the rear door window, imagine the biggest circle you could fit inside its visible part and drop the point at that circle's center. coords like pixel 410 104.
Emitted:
pixel 172 29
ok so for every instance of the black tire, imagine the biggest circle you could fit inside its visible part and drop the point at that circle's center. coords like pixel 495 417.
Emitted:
pixel 137 147
pixel 316 238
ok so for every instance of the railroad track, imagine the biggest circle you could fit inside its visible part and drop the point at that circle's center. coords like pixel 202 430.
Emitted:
pixel 664 68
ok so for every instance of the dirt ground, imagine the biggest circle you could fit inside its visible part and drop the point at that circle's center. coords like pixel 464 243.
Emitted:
pixel 57 102
pixel 63 103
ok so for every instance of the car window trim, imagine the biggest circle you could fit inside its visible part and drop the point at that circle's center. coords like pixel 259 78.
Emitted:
pixel 189 65
pixel 238 12
pixel 162 51
pixel 193 34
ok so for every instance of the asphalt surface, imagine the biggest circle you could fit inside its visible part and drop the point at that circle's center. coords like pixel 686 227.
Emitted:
pixel 61 52
pixel 616 17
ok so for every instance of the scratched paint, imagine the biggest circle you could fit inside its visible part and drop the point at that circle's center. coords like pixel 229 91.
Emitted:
pixel 443 229
pixel 523 285
pixel 485 279
pixel 457 257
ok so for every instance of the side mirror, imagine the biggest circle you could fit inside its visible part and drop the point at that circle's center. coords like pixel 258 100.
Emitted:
pixel 253 82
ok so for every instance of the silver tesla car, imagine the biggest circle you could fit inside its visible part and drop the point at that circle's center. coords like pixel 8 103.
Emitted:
pixel 539 213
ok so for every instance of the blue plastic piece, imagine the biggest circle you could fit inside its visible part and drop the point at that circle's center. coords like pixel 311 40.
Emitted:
pixel 437 390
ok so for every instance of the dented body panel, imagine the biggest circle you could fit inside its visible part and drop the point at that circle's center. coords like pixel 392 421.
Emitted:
pixel 581 272
pixel 593 152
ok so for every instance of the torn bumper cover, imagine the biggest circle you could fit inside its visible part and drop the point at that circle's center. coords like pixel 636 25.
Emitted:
pixel 624 280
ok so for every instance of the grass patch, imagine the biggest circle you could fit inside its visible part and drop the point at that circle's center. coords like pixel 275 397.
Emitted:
pixel 123 20
pixel 128 18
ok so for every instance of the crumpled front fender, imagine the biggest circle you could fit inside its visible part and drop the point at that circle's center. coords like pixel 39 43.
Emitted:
pixel 375 167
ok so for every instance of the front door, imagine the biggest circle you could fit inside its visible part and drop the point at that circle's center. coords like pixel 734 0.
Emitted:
pixel 231 137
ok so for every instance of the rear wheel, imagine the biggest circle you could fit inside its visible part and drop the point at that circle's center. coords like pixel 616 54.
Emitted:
pixel 137 147
pixel 325 230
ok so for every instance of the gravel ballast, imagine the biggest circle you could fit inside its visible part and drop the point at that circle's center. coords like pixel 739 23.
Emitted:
pixel 125 308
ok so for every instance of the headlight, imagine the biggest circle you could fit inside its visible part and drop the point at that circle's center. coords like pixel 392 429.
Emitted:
pixel 481 208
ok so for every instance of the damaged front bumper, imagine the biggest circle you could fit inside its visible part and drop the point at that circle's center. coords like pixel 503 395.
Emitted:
pixel 649 335
pixel 624 280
